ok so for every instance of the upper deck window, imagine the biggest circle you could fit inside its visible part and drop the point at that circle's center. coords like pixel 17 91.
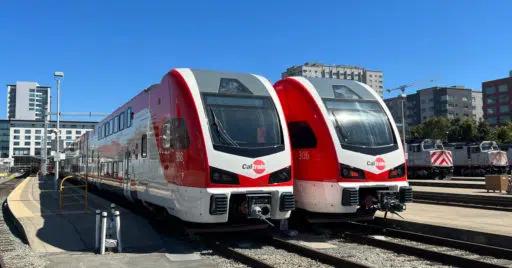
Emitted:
pixel 344 92
pixel 233 86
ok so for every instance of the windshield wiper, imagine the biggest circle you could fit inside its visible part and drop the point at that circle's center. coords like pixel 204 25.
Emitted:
pixel 220 129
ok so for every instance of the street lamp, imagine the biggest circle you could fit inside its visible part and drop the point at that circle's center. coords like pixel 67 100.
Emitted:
pixel 58 76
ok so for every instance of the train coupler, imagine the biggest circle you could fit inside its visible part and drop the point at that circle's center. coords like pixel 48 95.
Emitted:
pixel 389 201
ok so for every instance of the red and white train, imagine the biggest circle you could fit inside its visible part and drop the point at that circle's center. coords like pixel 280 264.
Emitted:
pixel 427 159
pixel 348 158
pixel 206 146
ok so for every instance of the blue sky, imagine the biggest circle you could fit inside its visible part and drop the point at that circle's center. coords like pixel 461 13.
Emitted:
pixel 110 50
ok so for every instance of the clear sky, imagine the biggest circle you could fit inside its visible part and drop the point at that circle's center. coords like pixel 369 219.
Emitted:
pixel 110 50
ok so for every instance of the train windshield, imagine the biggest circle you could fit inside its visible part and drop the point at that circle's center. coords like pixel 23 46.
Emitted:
pixel 430 146
pixel 362 126
pixel 489 146
pixel 238 123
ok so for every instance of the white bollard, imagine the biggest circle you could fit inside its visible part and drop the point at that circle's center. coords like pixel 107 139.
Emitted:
pixel 118 232
pixel 97 235
pixel 103 232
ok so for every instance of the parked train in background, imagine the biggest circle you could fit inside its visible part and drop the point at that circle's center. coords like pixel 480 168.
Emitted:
pixel 348 158
pixel 205 146
pixel 508 148
pixel 427 159
pixel 478 159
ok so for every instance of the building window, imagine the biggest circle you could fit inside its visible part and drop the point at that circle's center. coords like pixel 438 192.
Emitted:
pixel 504 118
pixel 16 143
pixel 38 131
pixel 38 143
pixel 491 110
pixel 491 100
pixel 503 88
pixel 69 132
pixel 16 131
pixel 16 137
pixel 464 98
pixel 68 137
pixel 504 98
pixel 27 137
pixel 27 131
pixel 504 109
pixel 491 121
pixel 490 90
pixel 27 143
pixel 38 138
pixel 78 132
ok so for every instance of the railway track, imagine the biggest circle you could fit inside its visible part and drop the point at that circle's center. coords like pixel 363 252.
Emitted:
pixel 6 242
pixel 439 249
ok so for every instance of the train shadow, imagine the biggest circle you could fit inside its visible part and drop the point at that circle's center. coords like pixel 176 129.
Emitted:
pixel 73 229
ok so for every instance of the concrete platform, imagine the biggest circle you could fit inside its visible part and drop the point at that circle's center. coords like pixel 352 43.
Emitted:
pixel 71 235
pixel 463 191
pixel 470 184
pixel 474 225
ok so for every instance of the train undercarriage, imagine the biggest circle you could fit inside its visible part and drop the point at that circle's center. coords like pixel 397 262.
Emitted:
pixel 480 171
pixel 439 173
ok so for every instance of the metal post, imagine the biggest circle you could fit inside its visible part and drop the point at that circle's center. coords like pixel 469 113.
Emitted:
pixel 103 232
pixel 97 234
pixel 57 153
pixel 44 156
pixel 403 122
pixel 118 231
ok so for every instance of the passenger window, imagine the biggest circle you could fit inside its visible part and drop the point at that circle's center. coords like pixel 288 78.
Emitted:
pixel 121 121
pixel 166 136
pixel 301 135
pixel 175 135
pixel 116 124
pixel 129 117
pixel 144 146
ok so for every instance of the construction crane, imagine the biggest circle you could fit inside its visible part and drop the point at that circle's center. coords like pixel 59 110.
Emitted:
pixel 403 96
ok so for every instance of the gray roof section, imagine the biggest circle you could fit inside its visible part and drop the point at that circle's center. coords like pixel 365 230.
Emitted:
pixel 209 81
pixel 324 87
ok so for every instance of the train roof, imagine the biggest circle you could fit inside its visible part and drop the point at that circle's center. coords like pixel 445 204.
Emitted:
pixel 473 143
pixel 210 81
pixel 341 89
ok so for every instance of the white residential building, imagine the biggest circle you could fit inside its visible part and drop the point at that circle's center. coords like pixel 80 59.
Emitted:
pixel 374 79
pixel 27 101
pixel 26 136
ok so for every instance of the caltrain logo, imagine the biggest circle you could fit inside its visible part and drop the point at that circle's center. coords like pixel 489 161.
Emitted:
pixel 379 163
pixel 258 166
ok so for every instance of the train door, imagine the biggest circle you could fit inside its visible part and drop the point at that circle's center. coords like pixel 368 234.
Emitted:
pixel 126 175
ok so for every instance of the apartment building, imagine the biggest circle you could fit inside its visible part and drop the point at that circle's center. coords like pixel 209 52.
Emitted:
pixel 497 95
pixel 27 101
pixel 374 79
pixel 26 136
pixel 449 102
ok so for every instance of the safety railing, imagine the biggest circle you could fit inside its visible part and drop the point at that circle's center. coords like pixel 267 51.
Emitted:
pixel 61 190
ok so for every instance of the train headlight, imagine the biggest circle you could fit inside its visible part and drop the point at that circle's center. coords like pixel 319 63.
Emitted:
pixel 397 172
pixel 282 175
pixel 349 172
pixel 221 176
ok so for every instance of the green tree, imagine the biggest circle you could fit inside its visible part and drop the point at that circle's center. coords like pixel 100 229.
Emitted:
pixel 468 130
pixel 454 131
pixel 416 132
pixel 436 128
pixel 483 130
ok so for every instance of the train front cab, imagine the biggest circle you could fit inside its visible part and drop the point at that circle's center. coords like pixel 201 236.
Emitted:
pixel 236 160
pixel 348 158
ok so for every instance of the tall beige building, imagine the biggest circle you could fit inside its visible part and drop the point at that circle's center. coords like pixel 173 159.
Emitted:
pixel 373 79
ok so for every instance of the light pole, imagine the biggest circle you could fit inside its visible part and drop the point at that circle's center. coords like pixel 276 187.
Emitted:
pixel 57 76
pixel 403 96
